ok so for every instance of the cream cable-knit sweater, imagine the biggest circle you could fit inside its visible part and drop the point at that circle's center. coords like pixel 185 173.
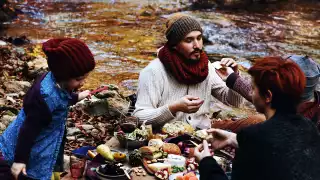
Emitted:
pixel 157 89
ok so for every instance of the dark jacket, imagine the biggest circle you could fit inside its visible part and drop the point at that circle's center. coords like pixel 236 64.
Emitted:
pixel 285 147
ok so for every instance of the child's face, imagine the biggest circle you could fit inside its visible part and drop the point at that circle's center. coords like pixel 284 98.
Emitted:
pixel 75 83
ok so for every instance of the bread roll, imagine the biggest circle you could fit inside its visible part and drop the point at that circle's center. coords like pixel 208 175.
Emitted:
pixel 171 148
pixel 155 143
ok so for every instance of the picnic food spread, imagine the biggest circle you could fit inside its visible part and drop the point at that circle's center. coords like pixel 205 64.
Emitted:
pixel 168 155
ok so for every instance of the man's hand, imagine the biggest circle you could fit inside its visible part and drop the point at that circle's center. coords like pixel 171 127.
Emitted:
pixel 187 104
pixel 222 138
pixel 17 168
pixel 83 95
pixel 204 153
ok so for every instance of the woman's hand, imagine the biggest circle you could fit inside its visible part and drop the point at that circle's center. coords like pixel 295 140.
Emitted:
pixel 230 65
pixel 204 153
pixel 222 138
pixel 229 62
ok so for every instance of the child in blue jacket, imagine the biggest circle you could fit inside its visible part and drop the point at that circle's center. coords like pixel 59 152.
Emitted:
pixel 33 144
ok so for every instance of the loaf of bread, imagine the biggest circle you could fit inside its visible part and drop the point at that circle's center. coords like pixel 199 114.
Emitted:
pixel 156 143
pixel 171 148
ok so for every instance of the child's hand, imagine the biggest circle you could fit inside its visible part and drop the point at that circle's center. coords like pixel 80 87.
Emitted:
pixel 17 168
pixel 83 95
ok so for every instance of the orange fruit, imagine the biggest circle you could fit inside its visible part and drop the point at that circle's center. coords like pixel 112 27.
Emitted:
pixel 179 178
pixel 193 178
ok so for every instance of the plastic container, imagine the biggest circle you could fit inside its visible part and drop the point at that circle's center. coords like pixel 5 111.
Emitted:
pixel 82 152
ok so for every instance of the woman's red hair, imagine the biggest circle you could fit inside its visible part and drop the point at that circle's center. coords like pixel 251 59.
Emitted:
pixel 283 78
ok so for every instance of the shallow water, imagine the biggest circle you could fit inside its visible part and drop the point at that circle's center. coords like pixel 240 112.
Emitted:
pixel 124 35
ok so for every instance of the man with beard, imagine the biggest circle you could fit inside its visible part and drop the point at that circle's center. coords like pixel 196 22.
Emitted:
pixel 178 85
pixel 284 147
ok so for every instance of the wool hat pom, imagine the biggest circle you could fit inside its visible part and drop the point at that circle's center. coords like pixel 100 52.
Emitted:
pixel 68 58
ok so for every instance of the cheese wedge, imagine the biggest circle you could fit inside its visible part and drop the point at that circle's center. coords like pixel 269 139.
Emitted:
pixel 158 166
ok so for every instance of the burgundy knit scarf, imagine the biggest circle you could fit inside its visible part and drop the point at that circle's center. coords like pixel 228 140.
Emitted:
pixel 183 70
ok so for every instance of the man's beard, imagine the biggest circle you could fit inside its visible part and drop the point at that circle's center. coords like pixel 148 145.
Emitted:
pixel 197 57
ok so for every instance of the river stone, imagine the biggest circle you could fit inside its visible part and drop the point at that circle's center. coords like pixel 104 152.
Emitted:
pixel 2 43
pixel 71 138
pixel 2 127
pixel 17 86
pixel 116 106
pixel 106 94
pixel 2 102
pixel 81 139
pixel 6 119
pixel 20 51
pixel 72 131
pixel 40 63
pixel 95 132
pixel 87 127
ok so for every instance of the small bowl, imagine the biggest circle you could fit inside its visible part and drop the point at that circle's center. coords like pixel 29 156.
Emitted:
pixel 132 144
pixel 109 177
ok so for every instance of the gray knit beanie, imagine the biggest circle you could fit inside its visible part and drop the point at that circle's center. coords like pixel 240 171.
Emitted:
pixel 178 26
pixel 311 70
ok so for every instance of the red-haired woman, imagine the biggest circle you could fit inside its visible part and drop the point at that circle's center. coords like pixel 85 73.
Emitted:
pixel 309 106
pixel 284 147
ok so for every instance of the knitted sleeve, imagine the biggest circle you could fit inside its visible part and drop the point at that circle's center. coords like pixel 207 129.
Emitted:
pixel 220 91
pixel 149 94
pixel 240 85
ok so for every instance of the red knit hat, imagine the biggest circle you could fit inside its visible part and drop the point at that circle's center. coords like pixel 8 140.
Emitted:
pixel 68 58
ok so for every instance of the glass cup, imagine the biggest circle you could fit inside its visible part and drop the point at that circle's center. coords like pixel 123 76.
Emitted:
pixel 77 166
